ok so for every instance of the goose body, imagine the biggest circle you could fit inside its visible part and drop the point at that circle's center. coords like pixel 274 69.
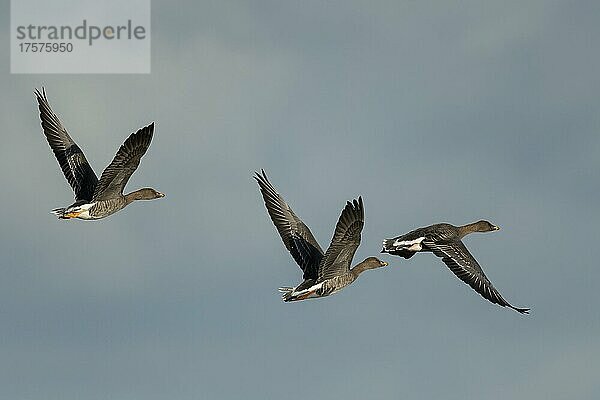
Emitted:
pixel 95 198
pixel 326 287
pixel 445 241
pixel 324 273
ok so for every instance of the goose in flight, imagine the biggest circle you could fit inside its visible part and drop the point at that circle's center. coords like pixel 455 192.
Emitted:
pixel 444 240
pixel 95 199
pixel 326 272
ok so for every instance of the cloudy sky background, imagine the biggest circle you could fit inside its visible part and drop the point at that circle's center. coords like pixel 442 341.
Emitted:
pixel 432 111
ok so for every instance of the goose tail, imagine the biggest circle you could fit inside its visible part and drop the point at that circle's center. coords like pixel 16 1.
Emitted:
pixel 396 248
pixel 59 212
pixel 287 293
pixel 388 246
pixel 293 294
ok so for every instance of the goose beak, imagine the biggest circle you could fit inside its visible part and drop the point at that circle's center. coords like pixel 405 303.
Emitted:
pixel 384 264
pixel 496 228
pixel 161 195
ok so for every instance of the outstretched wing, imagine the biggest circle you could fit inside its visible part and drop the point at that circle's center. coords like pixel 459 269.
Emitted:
pixel 345 241
pixel 71 159
pixel 456 256
pixel 115 176
pixel 295 235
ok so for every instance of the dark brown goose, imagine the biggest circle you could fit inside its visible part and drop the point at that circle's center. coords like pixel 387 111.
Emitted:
pixel 95 199
pixel 324 273
pixel 444 240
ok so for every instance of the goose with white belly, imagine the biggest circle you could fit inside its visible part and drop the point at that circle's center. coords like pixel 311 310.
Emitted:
pixel 444 240
pixel 326 272
pixel 95 199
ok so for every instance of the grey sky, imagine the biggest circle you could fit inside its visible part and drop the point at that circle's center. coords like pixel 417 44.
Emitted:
pixel 432 111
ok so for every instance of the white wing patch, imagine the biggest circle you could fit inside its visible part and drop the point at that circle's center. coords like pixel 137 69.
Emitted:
pixel 412 245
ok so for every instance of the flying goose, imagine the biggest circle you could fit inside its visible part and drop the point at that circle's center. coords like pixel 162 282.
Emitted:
pixel 444 240
pixel 95 199
pixel 327 272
